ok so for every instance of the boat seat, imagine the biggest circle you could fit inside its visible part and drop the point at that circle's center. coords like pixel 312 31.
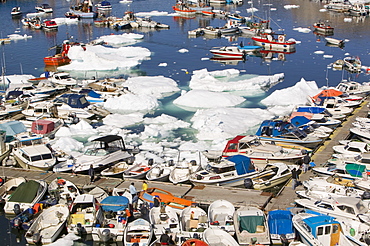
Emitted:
pixel 260 229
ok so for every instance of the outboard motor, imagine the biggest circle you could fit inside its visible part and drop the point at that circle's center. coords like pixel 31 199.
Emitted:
pixel 36 238
pixel 171 163
pixel 248 183
pixel 17 209
pixel 105 235
pixel 79 229
pixel 283 239
pixel 17 222
pixel 365 195
pixel 150 162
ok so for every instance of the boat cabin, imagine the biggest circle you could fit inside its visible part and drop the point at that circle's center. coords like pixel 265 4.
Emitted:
pixel 105 145
pixel 324 228
pixel 73 100
pixel 44 126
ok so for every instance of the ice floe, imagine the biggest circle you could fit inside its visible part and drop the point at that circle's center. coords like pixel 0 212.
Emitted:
pixel 302 29
pixel 65 21
pixel 125 38
pixel 157 86
pixel 291 6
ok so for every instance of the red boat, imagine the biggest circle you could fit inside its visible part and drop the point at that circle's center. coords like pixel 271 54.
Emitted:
pixel 49 24
pixel 182 9
pixel 323 28
pixel 195 242
pixel 60 58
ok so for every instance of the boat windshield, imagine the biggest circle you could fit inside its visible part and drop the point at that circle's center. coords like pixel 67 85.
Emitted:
pixel 41 157
pixel 298 133
pixel 361 207
pixel 96 152
pixel 215 169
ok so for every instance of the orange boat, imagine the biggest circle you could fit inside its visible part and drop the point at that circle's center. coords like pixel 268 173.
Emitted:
pixel 194 242
pixel 165 197
pixel 60 58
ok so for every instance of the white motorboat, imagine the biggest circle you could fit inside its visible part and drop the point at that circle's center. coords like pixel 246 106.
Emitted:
pixel 112 226
pixel 16 11
pixel 354 88
pixel 261 152
pixel 272 175
pixel 251 226
pixel 216 236
pixel 280 226
pixel 193 220
pixel 64 190
pixel 164 218
pixel 25 196
pixel 63 78
pixel 9 187
pixel 98 193
pixel 138 232
pixel 334 41
pixel 184 168
pixel 362 133
pixel 276 42
pixel 229 171
pixel 352 64
pixel 140 167
pixel 329 231
pixel 353 148
pixel 44 8
pixel 160 171
pixel 351 171
pixel 106 151
pixel 228 51
pixel 116 170
pixel 220 215
pixel 48 225
pixel 84 213
pixel 122 192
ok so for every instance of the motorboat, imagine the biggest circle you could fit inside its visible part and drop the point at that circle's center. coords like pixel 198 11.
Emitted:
pixel 25 196
pixel 211 31
pixel 164 196
pixel 98 193
pixel 30 152
pixel 106 151
pixel 272 175
pixel 317 229
pixel 35 23
pixel 286 132
pixel 83 10
pixel 48 225
pixel 63 78
pixel 164 218
pixel 8 187
pixel 122 192
pixel 16 12
pixel 138 232
pixel 353 148
pixel 311 127
pixel 44 8
pixel 270 41
pixel 251 226
pixel 322 120
pixel 193 241
pixel 340 207
pixel 140 166
pixel 341 97
pixel 5 148
pixel 351 170
pixel 193 221
pixel 261 152
pixel 281 226
pixel 183 10
pixel 228 51
pixel 111 227
pixel 104 5
pixel 353 88
pixel 335 106
pixel 84 212
pixel 320 110
pixel 229 171
pixel 160 171
pixel 352 64
pixel 217 236
pixel 182 171
pixel 334 41
pixel 220 216
pixel 49 24
pixel 322 27
pixel 116 170
pixel 362 133
pixel 64 190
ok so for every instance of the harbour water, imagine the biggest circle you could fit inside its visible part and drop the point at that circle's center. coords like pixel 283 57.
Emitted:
pixel 26 56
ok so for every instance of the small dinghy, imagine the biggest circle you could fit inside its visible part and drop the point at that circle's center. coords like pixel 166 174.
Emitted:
pixel 138 232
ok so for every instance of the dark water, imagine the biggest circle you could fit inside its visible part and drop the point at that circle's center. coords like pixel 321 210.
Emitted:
pixel 26 56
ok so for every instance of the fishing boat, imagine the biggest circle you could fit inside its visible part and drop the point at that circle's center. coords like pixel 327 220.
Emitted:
pixel 228 51
pixel 111 228
pixel 164 196
pixel 48 225
pixel 64 190
pixel 217 236
pixel 44 8
pixel 25 196
pixel 220 215
pixel 83 10
pixel 104 5
pixel 321 27
pixel 138 232
pixel 61 55
pixel 49 24
pixel 16 12
pixel 251 226
pixel 84 212
pixel 270 41
pixel 281 226
pixel 193 221
pixel 352 64
pixel 183 10
pixel 164 218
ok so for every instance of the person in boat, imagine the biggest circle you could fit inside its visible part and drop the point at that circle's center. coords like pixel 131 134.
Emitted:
pixel 156 202
pixel 91 173
pixel 166 239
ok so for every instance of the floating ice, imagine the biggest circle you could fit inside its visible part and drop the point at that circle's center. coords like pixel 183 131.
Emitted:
pixel 157 86
pixel 65 21
pixel 125 38
pixel 252 10
pixel 119 120
pixel 183 50
pixel 294 95
pixel 131 103
pixel 207 99
pixel 347 19
pixel 152 13
pixel 67 240
pixel 322 10
pixel 302 29
pixel 223 123
pixel 81 129
pixel 16 36
pixel 98 58
pixel 163 64
pixel 319 52
pixel 328 56
pixel 67 144
pixel 291 6
pixel 16 80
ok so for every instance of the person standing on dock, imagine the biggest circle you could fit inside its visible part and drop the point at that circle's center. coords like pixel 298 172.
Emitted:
pixel 144 187
pixel 91 174
pixel 295 177
pixel 132 189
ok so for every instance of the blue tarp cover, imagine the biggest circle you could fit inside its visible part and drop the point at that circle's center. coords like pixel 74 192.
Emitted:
pixel 314 110
pixel 13 127
pixel 299 120
pixel 242 164
pixel 114 203
pixel 280 222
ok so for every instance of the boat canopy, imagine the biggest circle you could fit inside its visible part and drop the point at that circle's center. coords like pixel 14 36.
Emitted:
pixel 299 120
pixel 314 110
pixel 42 126
pixel 73 100
pixel 25 192
pixel 280 222
pixel 250 223
pixel 320 220
pixel 243 164
pixel 13 127
pixel 355 170
pixel 114 203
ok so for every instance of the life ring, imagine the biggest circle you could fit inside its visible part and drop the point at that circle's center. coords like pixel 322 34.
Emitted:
pixel 281 38
pixel 280 57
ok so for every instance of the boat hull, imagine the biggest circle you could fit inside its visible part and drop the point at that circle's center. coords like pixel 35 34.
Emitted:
pixel 57 60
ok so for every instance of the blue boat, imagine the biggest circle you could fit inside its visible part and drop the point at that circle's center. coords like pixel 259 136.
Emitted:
pixel 281 226
pixel 286 132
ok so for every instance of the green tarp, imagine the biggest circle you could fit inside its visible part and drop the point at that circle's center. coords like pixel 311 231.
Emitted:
pixel 25 192
pixel 250 223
